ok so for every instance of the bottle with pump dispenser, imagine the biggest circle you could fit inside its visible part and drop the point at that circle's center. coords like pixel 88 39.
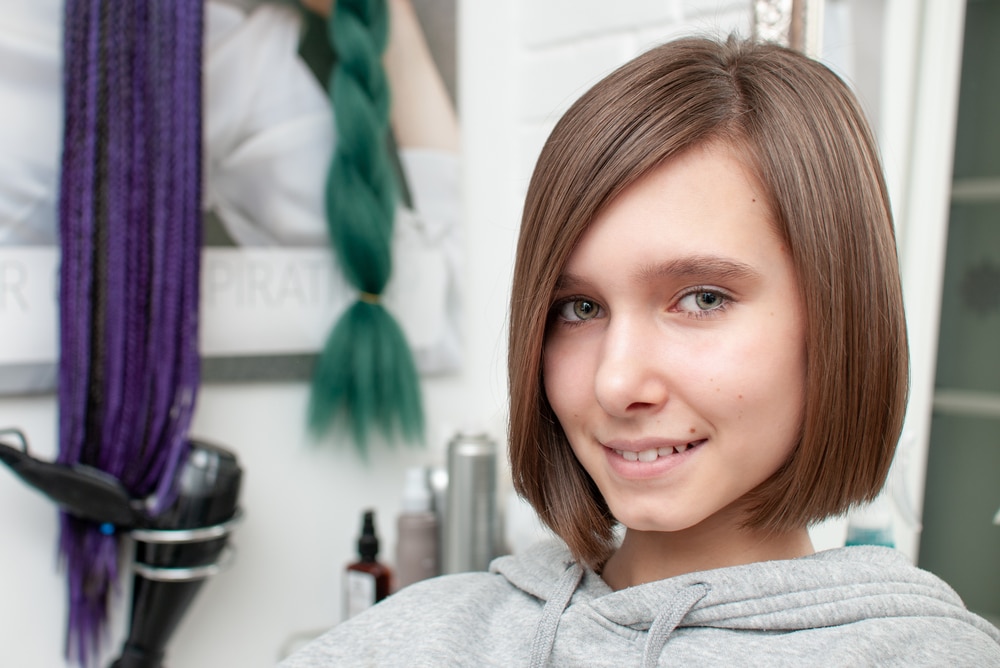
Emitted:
pixel 366 581
pixel 871 524
pixel 417 531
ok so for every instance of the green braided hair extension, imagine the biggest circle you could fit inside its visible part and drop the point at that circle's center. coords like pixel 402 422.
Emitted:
pixel 365 376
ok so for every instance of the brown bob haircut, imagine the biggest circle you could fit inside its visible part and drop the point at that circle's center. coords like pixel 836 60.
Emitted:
pixel 801 131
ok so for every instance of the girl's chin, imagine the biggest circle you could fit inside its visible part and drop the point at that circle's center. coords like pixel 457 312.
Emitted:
pixel 632 518
pixel 646 524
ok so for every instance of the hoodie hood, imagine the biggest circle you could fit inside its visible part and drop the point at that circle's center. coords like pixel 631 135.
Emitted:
pixel 834 588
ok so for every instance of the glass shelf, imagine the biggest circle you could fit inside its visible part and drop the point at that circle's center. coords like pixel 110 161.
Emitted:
pixel 974 190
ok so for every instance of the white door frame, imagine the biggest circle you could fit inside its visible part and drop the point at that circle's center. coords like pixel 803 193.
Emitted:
pixel 920 107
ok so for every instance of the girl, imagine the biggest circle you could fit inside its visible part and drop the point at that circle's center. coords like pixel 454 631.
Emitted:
pixel 707 349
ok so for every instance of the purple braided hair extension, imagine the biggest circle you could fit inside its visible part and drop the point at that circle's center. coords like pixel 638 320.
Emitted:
pixel 75 207
pixel 135 247
pixel 77 231
pixel 114 224
pixel 130 226
pixel 178 122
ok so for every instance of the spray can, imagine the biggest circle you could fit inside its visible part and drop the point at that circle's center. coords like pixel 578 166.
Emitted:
pixel 471 519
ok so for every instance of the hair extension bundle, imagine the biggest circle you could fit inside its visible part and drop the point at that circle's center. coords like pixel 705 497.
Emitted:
pixel 365 375
pixel 130 226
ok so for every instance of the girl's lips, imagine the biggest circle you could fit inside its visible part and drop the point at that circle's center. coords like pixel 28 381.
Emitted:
pixel 649 461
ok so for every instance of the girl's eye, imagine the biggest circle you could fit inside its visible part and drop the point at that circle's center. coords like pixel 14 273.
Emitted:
pixel 699 301
pixel 575 310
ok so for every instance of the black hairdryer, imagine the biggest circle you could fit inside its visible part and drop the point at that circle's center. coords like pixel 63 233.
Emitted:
pixel 174 552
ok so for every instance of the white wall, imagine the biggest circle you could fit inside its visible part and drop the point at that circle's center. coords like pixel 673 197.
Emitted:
pixel 521 62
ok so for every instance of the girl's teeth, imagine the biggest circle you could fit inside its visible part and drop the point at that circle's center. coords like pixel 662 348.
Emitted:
pixel 651 455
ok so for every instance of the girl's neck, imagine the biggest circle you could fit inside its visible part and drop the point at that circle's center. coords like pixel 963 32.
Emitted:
pixel 647 556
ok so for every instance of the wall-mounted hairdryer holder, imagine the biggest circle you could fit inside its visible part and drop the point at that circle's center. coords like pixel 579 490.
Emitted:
pixel 165 537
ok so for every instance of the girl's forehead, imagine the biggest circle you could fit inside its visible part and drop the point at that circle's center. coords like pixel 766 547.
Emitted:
pixel 703 203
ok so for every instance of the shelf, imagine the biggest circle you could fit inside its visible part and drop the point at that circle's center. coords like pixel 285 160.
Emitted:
pixel 965 402
pixel 986 189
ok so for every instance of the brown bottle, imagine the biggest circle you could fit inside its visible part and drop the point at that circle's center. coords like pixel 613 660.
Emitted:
pixel 366 581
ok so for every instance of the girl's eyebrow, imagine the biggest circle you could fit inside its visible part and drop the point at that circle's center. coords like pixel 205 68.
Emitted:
pixel 568 282
pixel 698 268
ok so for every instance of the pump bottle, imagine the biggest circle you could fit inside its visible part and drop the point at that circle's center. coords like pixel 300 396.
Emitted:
pixel 366 581
pixel 417 532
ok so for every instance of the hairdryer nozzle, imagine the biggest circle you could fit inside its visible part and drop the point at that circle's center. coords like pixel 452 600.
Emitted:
pixel 80 490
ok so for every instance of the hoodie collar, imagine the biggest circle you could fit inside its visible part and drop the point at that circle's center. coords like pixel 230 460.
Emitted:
pixel 556 588
pixel 826 589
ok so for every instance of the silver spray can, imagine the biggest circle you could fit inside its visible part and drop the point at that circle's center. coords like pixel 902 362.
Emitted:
pixel 471 516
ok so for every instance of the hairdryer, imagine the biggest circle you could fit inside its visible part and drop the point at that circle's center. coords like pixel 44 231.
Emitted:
pixel 175 551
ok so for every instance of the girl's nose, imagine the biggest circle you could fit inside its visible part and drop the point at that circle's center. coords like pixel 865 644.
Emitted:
pixel 629 379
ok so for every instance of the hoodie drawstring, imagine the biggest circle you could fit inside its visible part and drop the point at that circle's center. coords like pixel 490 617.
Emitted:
pixel 545 632
pixel 665 622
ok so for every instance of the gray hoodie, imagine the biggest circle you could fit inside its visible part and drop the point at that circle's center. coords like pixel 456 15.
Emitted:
pixel 854 606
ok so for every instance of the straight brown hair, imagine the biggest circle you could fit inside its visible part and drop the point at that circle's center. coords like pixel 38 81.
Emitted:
pixel 803 134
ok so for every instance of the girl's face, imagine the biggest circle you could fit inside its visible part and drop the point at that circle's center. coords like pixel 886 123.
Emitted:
pixel 675 354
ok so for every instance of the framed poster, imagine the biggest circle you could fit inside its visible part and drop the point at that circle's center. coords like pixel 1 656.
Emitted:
pixel 270 288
